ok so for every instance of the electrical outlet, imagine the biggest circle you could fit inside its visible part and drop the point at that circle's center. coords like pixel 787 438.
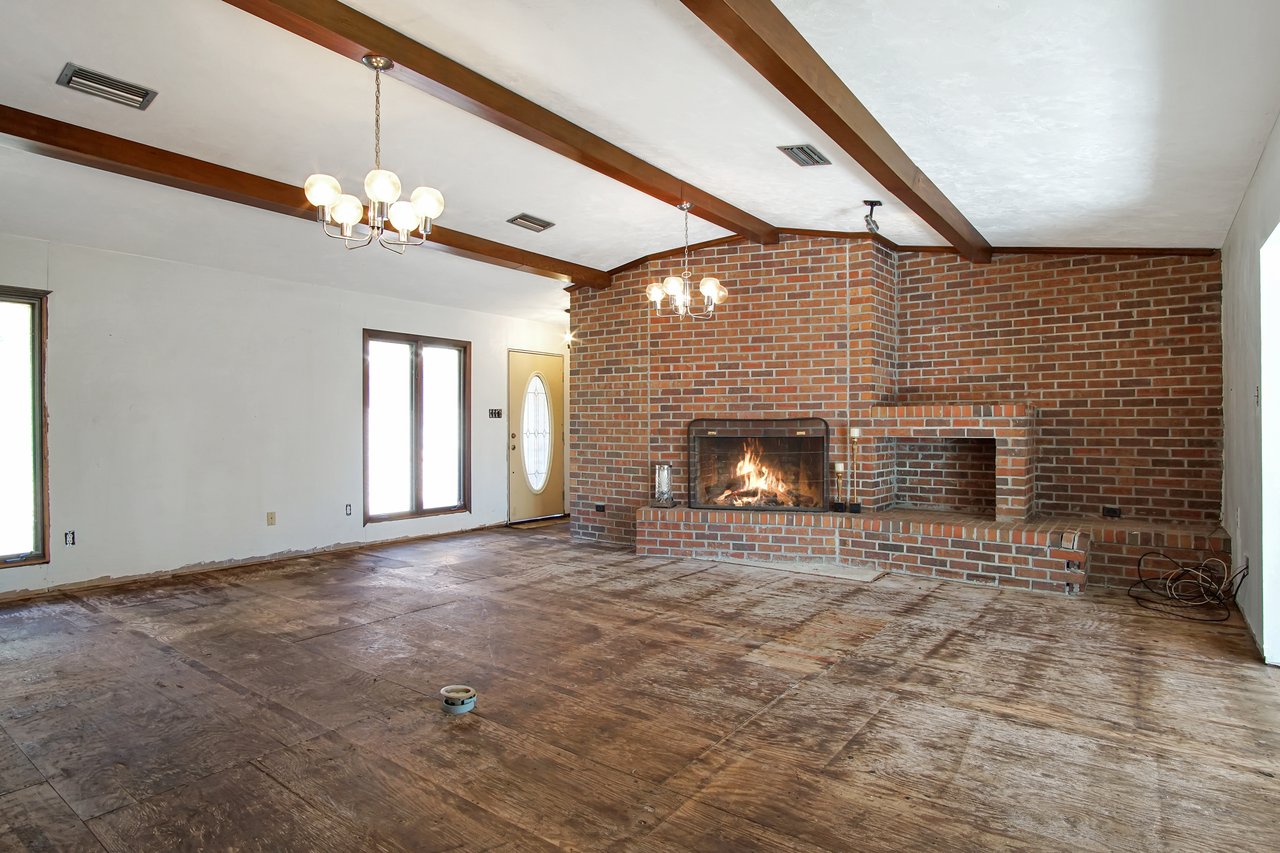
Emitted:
pixel 495 413
pixel 1111 512
pixel 348 509
pixel 599 507
pixel 69 538
pixel 271 519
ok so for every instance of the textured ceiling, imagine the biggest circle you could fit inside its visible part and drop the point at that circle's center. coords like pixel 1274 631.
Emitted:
pixel 1100 123
pixel 1089 123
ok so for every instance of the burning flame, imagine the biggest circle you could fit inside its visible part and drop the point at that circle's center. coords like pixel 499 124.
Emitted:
pixel 755 482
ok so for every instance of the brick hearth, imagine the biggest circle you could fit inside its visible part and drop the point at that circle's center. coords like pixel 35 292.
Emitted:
pixel 1045 556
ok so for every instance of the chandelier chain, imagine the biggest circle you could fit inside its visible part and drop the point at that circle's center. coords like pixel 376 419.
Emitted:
pixel 377 119
pixel 686 242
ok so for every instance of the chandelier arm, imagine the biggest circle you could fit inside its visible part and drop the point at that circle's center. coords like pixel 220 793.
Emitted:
pixel 410 242
pixel 358 244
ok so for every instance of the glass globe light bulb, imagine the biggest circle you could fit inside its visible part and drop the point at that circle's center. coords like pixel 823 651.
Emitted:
pixel 428 202
pixel 707 287
pixel 382 186
pixel 322 190
pixel 722 293
pixel 347 210
pixel 403 217
pixel 673 285
pixel 655 292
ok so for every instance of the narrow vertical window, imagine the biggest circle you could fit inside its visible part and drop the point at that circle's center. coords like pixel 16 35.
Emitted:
pixel 22 474
pixel 417 426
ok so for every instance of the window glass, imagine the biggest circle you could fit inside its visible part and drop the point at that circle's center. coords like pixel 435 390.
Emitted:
pixel 390 418
pixel 441 426
pixel 536 433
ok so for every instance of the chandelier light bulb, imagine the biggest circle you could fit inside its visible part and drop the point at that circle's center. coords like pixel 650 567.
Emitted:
pixel 655 293
pixel 673 285
pixel 403 217
pixel 347 210
pixel 722 293
pixel 322 190
pixel 382 186
pixel 708 287
pixel 427 202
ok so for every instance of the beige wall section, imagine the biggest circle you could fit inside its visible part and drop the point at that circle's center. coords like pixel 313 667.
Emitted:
pixel 186 402
pixel 1249 504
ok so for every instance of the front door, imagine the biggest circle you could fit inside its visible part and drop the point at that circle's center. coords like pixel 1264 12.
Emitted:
pixel 535 395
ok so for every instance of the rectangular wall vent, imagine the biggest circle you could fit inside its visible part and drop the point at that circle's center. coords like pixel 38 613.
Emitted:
pixel 103 86
pixel 804 155
pixel 533 223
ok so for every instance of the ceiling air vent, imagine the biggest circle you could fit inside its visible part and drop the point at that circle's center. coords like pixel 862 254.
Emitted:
pixel 94 83
pixel 533 223
pixel 804 155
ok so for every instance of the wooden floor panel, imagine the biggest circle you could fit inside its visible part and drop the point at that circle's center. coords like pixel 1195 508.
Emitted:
pixel 625 703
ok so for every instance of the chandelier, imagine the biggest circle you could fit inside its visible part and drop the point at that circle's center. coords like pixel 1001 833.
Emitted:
pixel 391 220
pixel 679 288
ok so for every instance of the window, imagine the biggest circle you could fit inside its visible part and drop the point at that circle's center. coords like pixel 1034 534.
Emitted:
pixel 417 426
pixel 536 428
pixel 22 466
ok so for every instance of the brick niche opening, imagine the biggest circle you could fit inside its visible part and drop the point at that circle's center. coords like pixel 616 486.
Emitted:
pixel 1006 426
pixel 957 474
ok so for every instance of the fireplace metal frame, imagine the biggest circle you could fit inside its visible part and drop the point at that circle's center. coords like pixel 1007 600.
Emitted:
pixel 710 426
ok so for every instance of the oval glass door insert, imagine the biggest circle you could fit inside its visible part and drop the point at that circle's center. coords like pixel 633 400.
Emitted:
pixel 535 429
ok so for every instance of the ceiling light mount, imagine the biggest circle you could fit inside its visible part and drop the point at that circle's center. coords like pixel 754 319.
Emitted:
pixel 870 218
pixel 387 214
pixel 377 63
pixel 679 288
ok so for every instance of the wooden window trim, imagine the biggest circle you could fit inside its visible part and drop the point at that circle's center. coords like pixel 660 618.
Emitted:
pixel 39 299
pixel 464 443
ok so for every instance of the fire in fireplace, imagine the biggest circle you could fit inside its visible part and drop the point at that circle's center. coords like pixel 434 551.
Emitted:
pixel 758 464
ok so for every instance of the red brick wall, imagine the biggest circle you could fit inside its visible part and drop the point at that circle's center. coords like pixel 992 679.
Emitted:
pixel 781 347
pixel 1121 356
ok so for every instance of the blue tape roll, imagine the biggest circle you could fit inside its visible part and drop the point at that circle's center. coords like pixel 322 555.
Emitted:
pixel 460 708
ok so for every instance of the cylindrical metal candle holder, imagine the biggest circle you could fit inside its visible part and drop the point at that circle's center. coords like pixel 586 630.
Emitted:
pixel 837 505
pixel 662 493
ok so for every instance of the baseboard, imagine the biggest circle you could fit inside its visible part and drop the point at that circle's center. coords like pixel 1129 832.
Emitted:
pixel 23 595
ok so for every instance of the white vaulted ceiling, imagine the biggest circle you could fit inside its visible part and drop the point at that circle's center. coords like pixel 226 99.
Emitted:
pixel 1081 123
pixel 1092 123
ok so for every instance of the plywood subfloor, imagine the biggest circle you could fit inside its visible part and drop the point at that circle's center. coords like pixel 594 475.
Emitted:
pixel 625 703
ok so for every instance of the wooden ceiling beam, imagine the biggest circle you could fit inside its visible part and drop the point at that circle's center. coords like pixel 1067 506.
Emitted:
pixel 763 36
pixel 345 31
pixel 75 144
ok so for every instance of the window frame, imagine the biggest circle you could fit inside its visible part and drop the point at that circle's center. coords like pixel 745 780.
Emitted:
pixel 464 438
pixel 39 302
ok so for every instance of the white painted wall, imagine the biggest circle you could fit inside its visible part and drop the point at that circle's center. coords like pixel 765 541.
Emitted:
pixel 1251 494
pixel 186 402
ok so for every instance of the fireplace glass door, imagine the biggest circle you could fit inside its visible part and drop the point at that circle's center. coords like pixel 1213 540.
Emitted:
pixel 758 464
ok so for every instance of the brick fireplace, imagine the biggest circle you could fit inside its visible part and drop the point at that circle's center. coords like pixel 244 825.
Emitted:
pixel 1032 391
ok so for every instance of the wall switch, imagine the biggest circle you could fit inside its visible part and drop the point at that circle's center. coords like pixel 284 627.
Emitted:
pixel 495 413
pixel 271 519
pixel 69 538
pixel 599 507
pixel 348 509
pixel 1111 512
